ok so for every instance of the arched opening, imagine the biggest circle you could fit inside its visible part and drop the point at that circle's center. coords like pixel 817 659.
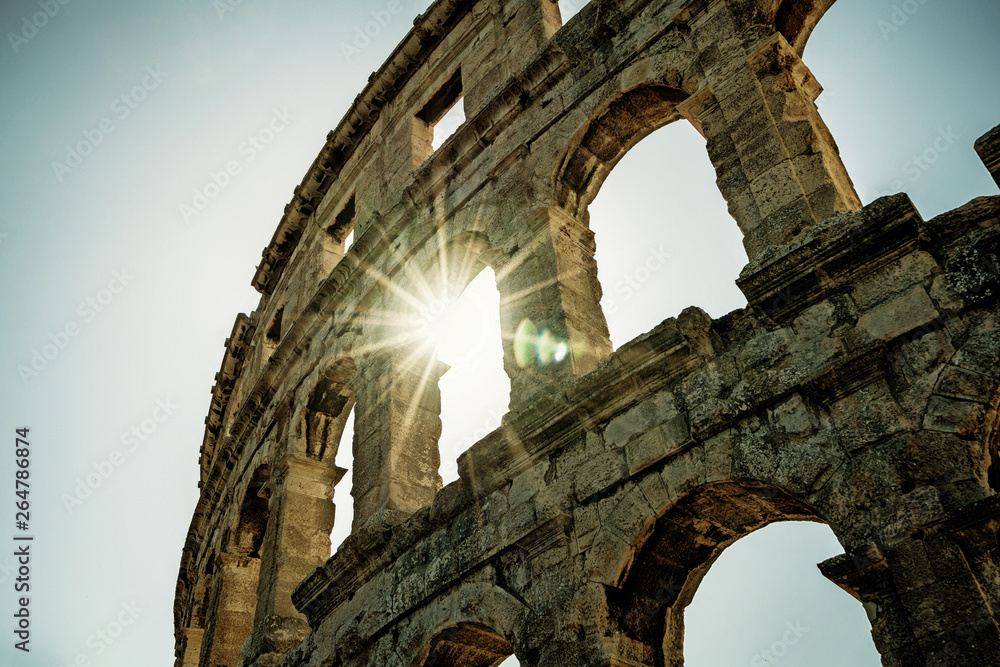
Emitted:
pixel 466 645
pixel 640 177
pixel 248 535
pixel 649 607
pixel 453 337
pixel 329 436
pixel 776 606
pixel 194 631
pixel 235 575
pixel 665 238
pixel 273 334
pixel 343 502
pixel 916 143
pixel 796 19
pixel 339 236
pixel 475 390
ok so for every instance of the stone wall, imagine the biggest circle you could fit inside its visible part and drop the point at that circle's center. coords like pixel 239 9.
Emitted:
pixel 859 388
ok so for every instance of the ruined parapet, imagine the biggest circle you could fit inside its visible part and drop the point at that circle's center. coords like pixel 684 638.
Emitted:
pixel 858 388
pixel 988 147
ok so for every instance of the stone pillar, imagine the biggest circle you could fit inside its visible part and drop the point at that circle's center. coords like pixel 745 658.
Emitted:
pixel 923 599
pixel 777 164
pixel 301 515
pixel 977 532
pixel 866 577
pixel 988 147
pixel 397 424
pixel 948 611
pixel 589 631
pixel 552 324
pixel 235 603
pixel 192 647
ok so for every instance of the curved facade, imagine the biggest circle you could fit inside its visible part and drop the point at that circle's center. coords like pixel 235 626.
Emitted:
pixel 859 388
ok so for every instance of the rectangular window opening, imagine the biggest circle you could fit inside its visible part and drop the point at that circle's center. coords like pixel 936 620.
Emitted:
pixel 444 112
pixel 342 229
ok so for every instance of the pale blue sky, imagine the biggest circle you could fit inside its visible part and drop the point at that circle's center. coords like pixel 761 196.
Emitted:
pixel 158 338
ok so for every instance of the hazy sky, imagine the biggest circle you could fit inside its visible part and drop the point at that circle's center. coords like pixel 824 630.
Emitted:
pixel 134 294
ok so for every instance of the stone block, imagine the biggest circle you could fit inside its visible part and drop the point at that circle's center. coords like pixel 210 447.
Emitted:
pixel 988 147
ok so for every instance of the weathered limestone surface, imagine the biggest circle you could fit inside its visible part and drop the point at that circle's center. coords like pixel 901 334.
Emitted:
pixel 859 388
pixel 988 147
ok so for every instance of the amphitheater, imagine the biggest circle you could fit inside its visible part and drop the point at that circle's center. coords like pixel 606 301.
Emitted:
pixel 858 388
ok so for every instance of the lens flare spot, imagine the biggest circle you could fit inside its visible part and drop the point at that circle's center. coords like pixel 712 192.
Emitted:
pixel 538 348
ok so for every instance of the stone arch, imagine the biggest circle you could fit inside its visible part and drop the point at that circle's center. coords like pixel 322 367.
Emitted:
pixel 465 645
pixel 454 263
pixel 397 409
pixel 646 607
pixel 474 626
pixel 200 609
pixel 328 403
pixel 189 649
pixel 300 510
pixel 235 574
pixel 457 281
pixel 327 407
pixel 247 536
pixel 606 138
pixel 796 19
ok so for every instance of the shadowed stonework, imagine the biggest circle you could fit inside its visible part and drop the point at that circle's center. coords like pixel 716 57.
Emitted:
pixel 859 388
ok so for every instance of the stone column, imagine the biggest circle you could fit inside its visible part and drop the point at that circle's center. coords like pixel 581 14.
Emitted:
pixel 777 164
pixel 589 631
pixel 923 599
pixel 976 531
pixel 946 606
pixel 192 647
pixel 397 424
pixel 550 315
pixel 866 577
pixel 301 515
pixel 235 602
